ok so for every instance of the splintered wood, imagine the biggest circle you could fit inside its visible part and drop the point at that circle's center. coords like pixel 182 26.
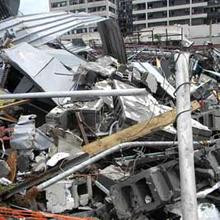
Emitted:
pixel 12 163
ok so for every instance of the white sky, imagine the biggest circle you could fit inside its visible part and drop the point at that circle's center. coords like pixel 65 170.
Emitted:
pixel 34 6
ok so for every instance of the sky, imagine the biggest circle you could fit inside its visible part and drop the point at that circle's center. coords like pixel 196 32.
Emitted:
pixel 34 6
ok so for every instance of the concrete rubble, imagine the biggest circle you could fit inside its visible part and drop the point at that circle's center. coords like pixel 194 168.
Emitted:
pixel 81 145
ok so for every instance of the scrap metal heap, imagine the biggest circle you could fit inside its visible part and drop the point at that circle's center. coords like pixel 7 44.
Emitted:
pixel 94 152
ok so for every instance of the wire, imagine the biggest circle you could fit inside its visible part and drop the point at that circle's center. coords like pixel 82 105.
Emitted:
pixel 185 83
pixel 3 148
pixel 184 111
pixel 115 123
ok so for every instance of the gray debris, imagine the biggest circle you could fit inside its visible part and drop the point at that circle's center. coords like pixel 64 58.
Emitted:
pixel 27 137
pixel 207 211
pixel 66 195
pixel 59 197
pixel 4 169
pixel 24 131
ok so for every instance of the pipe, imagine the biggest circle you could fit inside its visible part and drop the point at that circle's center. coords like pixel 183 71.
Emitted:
pixel 212 72
pixel 204 193
pixel 102 187
pixel 112 126
pixel 76 94
pixel 185 139
pixel 108 152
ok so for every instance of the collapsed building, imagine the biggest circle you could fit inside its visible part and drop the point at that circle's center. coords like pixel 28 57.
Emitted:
pixel 87 136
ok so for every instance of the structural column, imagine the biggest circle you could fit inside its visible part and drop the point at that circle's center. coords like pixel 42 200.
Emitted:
pixel 185 139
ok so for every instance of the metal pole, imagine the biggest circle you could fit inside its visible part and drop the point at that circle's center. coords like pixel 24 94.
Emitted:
pixel 212 72
pixel 108 152
pixel 185 139
pixel 86 163
pixel 77 93
pixel 166 36
pixel 210 30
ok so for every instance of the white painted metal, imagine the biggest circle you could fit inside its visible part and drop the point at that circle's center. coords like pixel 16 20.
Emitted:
pixel 185 139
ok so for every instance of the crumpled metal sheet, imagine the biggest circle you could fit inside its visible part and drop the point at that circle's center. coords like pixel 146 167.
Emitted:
pixel 105 85
pixel 133 109
pixel 149 80
pixel 27 137
pixel 68 59
pixel 42 141
pixel 143 67
pixel 97 67
pixel 43 69
pixel 76 48
pixel 24 131
pixel 38 29
pixel 138 108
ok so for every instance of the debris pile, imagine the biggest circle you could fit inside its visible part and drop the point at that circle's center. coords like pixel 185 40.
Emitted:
pixel 97 138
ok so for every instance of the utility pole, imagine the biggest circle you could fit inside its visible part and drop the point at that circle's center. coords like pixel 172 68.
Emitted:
pixel 210 30
pixel 185 139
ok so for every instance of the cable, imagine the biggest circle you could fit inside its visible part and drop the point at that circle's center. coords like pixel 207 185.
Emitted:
pixel 180 113
pixel 3 148
pixel 185 83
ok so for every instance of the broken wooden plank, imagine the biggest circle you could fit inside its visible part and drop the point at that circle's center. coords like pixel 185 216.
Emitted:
pixel 8 119
pixel 12 163
pixel 134 132
pixel 17 103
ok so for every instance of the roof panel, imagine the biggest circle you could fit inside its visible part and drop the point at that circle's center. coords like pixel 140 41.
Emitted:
pixel 42 69
pixel 39 29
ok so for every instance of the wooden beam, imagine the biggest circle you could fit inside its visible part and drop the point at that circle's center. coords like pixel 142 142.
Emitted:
pixel 8 119
pixel 134 132
pixel 21 102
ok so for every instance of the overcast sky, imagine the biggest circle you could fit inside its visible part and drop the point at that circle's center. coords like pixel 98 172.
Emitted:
pixel 34 6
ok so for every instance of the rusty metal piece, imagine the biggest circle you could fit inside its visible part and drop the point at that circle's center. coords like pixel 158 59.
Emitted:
pixel 12 163
pixel 30 198
pixel 32 193
pixel 81 127
pixel 5 133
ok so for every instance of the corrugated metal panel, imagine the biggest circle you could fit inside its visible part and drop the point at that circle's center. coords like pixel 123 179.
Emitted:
pixel 45 71
pixel 8 8
pixel 39 29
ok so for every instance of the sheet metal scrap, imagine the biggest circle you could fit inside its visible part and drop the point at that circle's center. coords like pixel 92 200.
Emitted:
pixel 161 79
pixel 39 67
pixel 39 29
pixel 9 8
